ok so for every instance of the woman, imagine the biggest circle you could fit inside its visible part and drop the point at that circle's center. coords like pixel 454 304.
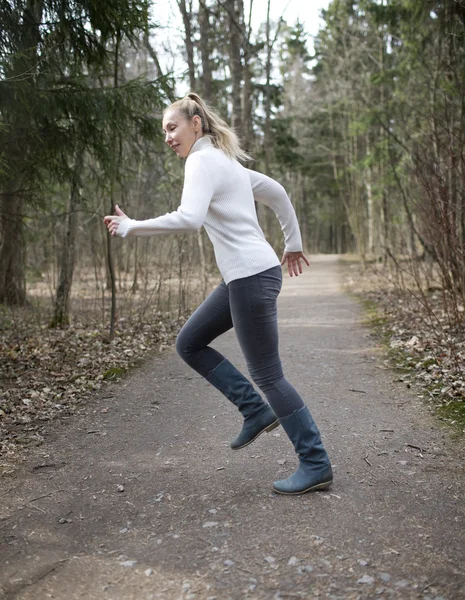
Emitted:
pixel 219 193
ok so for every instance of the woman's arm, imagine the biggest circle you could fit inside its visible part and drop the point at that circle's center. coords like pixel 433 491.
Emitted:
pixel 196 197
pixel 270 192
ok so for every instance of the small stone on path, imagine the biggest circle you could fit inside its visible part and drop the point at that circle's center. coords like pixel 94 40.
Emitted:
pixel 128 563
pixel 366 579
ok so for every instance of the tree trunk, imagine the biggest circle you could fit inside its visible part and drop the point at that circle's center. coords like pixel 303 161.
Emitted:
pixel 304 218
pixel 65 278
pixel 117 153
pixel 188 40
pixel 16 121
pixel 12 285
pixel 161 76
pixel 267 100
pixel 235 11
pixel 247 129
pixel 267 107
pixel 135 282
pixel 204 25
pixel 385 221
pixel 369 192
pixel 203 262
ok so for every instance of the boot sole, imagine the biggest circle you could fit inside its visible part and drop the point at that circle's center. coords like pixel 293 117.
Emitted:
pixel 319 486
pixel 267 429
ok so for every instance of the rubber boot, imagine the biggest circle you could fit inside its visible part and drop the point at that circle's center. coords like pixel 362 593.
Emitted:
pixel 258 415
pixel 314 472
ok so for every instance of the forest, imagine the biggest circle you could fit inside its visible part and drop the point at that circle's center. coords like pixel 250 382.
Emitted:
pixel 366 133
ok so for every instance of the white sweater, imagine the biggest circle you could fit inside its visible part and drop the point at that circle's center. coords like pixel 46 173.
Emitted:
pixel 219 194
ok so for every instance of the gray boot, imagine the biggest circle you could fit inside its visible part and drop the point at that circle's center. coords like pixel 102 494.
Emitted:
pixel 314 472
pixel 258 415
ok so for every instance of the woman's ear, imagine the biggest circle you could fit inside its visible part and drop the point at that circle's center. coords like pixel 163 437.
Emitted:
pixel 197 121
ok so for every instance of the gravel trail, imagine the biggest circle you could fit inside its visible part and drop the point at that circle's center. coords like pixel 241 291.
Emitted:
pixel 141 498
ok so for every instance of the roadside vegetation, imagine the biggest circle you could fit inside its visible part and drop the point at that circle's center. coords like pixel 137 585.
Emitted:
pixel 423 342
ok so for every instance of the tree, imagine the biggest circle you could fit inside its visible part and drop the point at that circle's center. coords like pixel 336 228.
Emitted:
pixel 59 60
pixel 235 11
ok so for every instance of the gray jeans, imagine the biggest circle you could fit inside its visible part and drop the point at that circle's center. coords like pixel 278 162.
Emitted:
pixel 248 305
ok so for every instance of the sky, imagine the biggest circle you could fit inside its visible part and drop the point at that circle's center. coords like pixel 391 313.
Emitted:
pixel 169 36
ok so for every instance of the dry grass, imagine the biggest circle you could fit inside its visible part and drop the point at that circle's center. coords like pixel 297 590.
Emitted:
pixel 423 326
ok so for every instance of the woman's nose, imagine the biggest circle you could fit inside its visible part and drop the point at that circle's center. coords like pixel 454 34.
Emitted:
pixel 167 138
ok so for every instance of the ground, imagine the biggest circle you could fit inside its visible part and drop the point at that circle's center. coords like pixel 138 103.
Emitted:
pixel 141 497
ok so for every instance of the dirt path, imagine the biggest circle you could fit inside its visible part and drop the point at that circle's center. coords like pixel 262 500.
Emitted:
pixel 143 499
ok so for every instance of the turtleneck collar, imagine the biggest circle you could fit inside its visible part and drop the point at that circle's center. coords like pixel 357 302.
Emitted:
pixel 201 143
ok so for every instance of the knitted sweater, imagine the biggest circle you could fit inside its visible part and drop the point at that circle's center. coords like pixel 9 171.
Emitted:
pixel 219 194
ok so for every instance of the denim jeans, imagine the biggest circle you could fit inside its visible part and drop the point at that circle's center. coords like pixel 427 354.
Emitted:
pixel 249 305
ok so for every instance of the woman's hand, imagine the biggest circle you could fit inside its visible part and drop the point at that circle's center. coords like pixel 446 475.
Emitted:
pixel 294 266
pixel 112 221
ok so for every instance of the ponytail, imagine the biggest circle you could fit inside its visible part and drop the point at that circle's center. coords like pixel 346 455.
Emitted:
pixel 223 137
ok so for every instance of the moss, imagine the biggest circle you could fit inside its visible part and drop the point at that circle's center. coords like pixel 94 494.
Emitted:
pixel 114 373
pixel 453 413
pixel 378 323
pixel 428 362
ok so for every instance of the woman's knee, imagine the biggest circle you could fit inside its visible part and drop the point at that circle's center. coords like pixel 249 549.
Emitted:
pixel 182 345
pixel 268 377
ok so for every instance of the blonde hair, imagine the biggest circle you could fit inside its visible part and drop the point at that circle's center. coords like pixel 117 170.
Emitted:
pixel 223 137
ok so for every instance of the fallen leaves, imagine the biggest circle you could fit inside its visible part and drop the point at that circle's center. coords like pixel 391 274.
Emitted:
pixel 46 372
pixel 425 339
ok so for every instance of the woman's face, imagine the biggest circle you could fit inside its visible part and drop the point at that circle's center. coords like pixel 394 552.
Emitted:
pixel 180 133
